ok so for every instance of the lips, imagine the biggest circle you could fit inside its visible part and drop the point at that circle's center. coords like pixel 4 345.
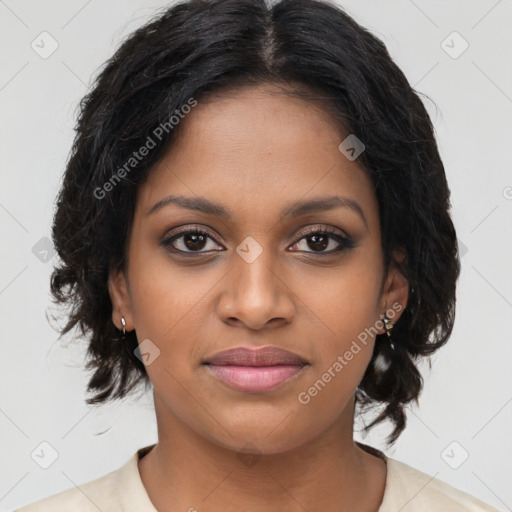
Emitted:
pixel 255 370
pixel 264 356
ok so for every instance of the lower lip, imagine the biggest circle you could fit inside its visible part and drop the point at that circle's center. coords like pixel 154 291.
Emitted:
pixel 254 379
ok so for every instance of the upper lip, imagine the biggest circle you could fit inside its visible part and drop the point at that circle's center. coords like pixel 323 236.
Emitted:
pixel 250 356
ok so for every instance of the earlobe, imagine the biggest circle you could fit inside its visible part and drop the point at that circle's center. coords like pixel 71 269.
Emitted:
pixel 120 298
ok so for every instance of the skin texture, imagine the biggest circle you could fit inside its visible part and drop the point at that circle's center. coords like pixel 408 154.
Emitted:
pixel 256 151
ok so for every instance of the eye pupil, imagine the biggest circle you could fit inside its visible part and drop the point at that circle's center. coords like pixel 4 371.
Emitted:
pixel 192 240
pixel 319 245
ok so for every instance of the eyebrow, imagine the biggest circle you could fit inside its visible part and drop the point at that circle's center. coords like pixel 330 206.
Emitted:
pixel 297 209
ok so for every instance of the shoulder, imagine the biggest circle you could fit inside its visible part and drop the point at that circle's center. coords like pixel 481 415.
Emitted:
pixel 88 497
pixel 118 491
pixel 411 490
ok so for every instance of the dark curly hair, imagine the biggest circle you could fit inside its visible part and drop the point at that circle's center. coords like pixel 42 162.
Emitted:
pixel 312 49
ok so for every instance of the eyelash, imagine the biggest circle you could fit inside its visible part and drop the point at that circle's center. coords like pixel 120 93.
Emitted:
pixel 345 242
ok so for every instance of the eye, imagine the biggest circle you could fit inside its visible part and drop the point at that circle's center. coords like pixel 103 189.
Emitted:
pixel 323 238
pixel 189 240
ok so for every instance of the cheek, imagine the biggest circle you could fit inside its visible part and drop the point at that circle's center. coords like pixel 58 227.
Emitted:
pixel 344 303
pixel 171 308
pixel 342 314
pixel 343 353
pixel 159 297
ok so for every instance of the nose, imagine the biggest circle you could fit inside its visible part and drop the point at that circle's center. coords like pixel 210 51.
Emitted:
pixel 256 295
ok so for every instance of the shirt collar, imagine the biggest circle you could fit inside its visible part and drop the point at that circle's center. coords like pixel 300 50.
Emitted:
pixel 131 491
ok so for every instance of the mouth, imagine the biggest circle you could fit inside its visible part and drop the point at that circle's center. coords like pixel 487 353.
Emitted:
pixel 255 370
pixel 264 356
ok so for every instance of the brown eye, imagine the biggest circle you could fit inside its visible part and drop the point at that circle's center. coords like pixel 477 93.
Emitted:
pixel 318 240
pixel 189 241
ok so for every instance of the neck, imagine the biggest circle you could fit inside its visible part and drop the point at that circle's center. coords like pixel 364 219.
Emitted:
pixel 329 472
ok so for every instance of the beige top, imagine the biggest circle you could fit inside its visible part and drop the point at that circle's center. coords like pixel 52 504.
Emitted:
pixel 122 490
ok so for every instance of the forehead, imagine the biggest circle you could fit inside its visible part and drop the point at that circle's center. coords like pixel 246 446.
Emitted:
pixel 256 149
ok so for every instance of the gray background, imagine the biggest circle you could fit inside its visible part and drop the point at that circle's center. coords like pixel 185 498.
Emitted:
pixel 467 397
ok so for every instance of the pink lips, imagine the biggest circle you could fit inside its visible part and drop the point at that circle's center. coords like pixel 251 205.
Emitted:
pixel 255 370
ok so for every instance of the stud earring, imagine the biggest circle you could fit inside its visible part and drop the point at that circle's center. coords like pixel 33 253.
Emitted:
pixel 123 322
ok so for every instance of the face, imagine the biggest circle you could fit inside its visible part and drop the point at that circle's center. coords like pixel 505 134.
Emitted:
pixel 259 269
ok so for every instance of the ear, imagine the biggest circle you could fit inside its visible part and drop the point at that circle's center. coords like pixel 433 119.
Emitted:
pixel 120 297
pixel 395 292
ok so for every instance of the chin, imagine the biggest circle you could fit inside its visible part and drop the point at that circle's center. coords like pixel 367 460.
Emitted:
pixel 259 439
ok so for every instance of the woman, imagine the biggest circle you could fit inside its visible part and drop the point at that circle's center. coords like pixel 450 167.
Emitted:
pixel 254 222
